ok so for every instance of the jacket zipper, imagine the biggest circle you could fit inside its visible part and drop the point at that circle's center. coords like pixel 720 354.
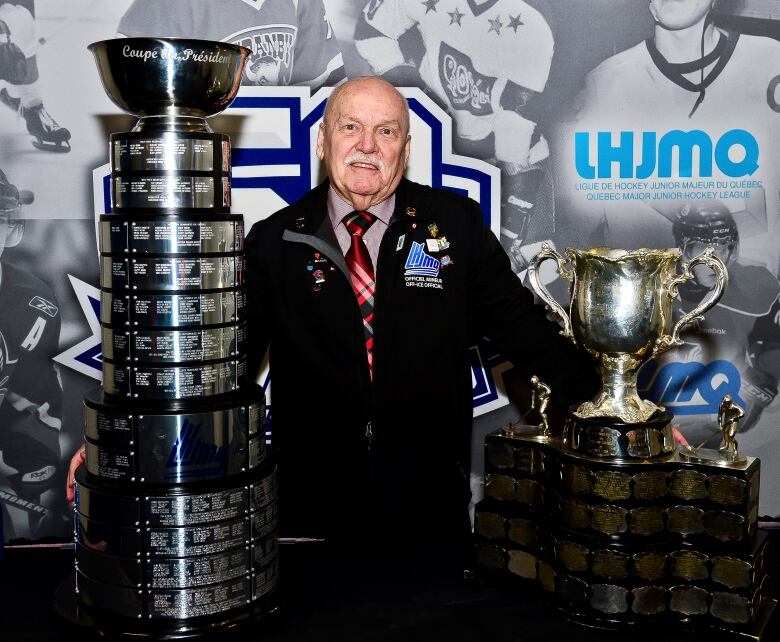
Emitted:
pixel 369 435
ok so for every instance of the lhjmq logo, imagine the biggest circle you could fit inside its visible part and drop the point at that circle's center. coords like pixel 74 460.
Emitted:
pixel 418 263
pixel 690 388
pixel 274 164
pixel 667 155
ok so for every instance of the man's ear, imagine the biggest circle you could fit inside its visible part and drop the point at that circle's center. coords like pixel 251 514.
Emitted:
pixel 407 149
pixel 321 142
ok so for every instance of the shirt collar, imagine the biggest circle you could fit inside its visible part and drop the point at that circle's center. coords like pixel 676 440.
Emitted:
pixel 338 208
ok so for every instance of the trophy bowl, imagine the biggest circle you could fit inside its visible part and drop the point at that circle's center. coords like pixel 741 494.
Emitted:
pixel 169 78
pixel 620 312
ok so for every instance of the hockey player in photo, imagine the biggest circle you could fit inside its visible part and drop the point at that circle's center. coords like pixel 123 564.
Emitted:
pixel 690 76
pixel 19 79
pixel 30 391
pixel 291 41
pixel 486 63
pixel 720 342
pixel 764 353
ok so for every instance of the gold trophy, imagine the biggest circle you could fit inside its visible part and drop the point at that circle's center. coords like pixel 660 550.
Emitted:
pixel 607 516
pixel 621 313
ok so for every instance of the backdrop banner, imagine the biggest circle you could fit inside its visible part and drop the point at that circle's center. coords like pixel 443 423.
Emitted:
pixel 573 122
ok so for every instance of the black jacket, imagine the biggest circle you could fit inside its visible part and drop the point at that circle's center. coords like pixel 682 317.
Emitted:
pixel 388 460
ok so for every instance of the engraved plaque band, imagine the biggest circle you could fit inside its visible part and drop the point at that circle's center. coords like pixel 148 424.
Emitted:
pixel 170 151
pixel 169 310
pixel 175 448
pixel 175 382
pixel 621 441
pixel 171 234
pixel 168 274
pixel 173 346
pixel 250 493
pixel 105 424
pixel 180 541
pixel 171 191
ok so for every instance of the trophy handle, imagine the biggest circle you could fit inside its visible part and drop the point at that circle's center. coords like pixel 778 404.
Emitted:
pixel 536 284
pixel 708 258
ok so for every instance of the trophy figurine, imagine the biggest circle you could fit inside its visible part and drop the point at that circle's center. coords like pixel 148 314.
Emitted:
pixel 727 454
pixel 534 423
pixel 729 415
pixel 540 397
pixel 608 518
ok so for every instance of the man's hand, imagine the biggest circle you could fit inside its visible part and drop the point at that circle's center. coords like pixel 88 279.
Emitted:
pixel 78 459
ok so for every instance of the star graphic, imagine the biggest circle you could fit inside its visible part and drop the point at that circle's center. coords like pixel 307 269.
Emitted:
pixel 495 25
pixel 455 16
pixel 515 22
pixel 86 356
pixel 430 5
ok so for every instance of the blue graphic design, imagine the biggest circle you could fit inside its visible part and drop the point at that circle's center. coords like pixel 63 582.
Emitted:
pixel 483 359
pixel 658 155
pixel 92 357
pixel 690 388
pixel 418 263
pixel 189 451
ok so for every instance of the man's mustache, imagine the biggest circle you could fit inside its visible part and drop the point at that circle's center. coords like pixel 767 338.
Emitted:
pixel 369 159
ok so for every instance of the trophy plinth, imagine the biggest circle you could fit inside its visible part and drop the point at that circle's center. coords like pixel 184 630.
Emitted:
pixel 618 441
pixel 176 510
pixel 609 519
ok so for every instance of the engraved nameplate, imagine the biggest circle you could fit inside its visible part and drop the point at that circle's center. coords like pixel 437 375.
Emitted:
pixel 170 192
pixel 166 152
pixel 169 310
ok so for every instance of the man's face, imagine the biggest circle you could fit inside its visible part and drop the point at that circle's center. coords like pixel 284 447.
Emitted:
pixel 365 142
pixel 679 14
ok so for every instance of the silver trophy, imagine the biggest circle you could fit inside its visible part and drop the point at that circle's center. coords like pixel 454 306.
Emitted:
pixel 621 314
pixel 176 518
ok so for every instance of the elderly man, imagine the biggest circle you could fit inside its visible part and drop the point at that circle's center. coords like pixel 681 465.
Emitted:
pixel 369 291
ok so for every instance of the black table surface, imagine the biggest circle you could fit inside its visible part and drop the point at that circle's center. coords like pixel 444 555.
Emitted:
pixel 326 596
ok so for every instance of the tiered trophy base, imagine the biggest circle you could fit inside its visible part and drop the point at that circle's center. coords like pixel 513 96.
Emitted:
pixel 182 558
pixel 663 541
pixel 89 624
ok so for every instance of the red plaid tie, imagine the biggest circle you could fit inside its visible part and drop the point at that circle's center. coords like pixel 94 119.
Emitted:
pixel 361 272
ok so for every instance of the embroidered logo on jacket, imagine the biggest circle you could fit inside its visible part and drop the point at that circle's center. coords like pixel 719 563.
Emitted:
pixel 422 269
pixel 418 263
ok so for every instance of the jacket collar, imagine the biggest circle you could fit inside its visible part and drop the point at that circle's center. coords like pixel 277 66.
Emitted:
pixel 310 224
pixel 310 216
